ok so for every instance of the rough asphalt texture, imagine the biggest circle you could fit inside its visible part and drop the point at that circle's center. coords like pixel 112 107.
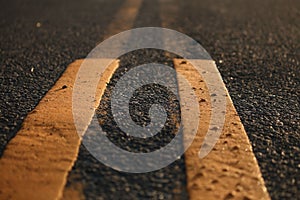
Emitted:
pixel 256 45
pixel 101 182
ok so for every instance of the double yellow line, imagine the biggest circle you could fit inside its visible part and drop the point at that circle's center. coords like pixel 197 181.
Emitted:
pixel 37 160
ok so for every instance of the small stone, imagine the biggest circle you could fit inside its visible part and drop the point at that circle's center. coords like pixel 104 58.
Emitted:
pixel 183 62
pixel 202 100
pixel 229 196
pixel 235 148
pixel 228 134
pixel 215 128
pixel 38 24
pixel 214 181
pixel 246 198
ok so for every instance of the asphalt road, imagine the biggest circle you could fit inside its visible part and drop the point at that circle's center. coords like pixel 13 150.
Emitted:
pixel 256 45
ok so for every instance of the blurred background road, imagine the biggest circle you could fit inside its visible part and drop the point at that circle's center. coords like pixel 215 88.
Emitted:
pixel 256 45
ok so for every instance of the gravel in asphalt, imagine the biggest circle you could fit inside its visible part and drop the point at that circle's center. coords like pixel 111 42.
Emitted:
pixel 255 44
pixel 100 181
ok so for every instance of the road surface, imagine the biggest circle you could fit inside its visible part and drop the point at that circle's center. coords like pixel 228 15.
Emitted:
pixel 254 43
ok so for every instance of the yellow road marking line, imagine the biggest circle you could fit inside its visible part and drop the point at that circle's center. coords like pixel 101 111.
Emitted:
pixel 37 160
pixel 230 170
pixel 124 18
pixel 169 14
